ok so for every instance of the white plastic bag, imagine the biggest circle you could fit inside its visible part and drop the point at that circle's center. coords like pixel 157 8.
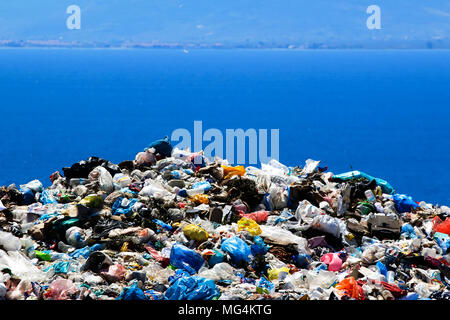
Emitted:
pixel 306 212
pixel 21 266
pixel 283 237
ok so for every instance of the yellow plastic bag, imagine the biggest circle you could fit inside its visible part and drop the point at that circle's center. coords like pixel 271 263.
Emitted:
pixel 92 201
pixel 249 225
pixel 194 232
pixel 228 172
pixel 273 273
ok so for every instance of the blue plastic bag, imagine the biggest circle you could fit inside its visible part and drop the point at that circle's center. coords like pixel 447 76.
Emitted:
pixel 28 195
pixel 59 267
pixel 192 288
pixel 218 257
pixel 259 247
pixel 303 260
pixel 238 250
pixel 404 203
pixel 47 197
pixel 179 273
pixel 264 286
pixel 85 252
pixel 162 224
pixel 408 230
pixel 117 208
pixel 133 292
pixel 182 257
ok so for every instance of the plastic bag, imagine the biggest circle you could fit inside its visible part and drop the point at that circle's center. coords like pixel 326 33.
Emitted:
pixel 92 201
pixel 441 226
pixel 105 180
pixel 116 272
pixel 277 197
pixel 237 249
pixel 249 225
pixel 349 287
pixel 154 189
pixel 192 288
pixel 306 212
pixel 214 257
pixel 47 197
pixel 28 195
pixel 333 261
pixel 194 232
pixel 280 236
pixel 404 203
pixel 145 157
pixel 75 237
pixel 329 224
pixel 310 166
pixel 221 271
pixel 259 247
pixel 279 273
pixel 258 216
pixel 182 257
pixel 132 292
pixel 123 206
pixel 21 266
pixel 322 279
pixel 264 286
pixel 35 186
pixel 9 242
pixel 61 289
pixel 229 171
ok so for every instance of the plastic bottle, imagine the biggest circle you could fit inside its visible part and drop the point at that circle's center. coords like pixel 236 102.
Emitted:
pixel 28 245
pixel 198 188
pixel 369 195
pixel 390 277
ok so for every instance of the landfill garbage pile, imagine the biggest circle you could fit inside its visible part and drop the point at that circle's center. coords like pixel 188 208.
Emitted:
pixel 174 225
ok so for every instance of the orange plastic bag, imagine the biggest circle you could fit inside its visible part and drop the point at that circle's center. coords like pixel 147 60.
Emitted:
pixel 349 287
pixel 228 172
pixel 441 226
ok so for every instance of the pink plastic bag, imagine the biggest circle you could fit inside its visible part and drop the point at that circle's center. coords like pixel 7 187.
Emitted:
pixel 115 273
pixel 61 289
pixel 333 261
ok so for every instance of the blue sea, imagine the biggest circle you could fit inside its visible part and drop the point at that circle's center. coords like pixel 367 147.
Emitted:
pixel 386 113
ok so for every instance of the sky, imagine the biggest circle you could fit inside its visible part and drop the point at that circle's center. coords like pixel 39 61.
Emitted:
pixel 230 22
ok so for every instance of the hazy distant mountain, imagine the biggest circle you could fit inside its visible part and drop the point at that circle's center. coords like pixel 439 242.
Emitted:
pixel 232 22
